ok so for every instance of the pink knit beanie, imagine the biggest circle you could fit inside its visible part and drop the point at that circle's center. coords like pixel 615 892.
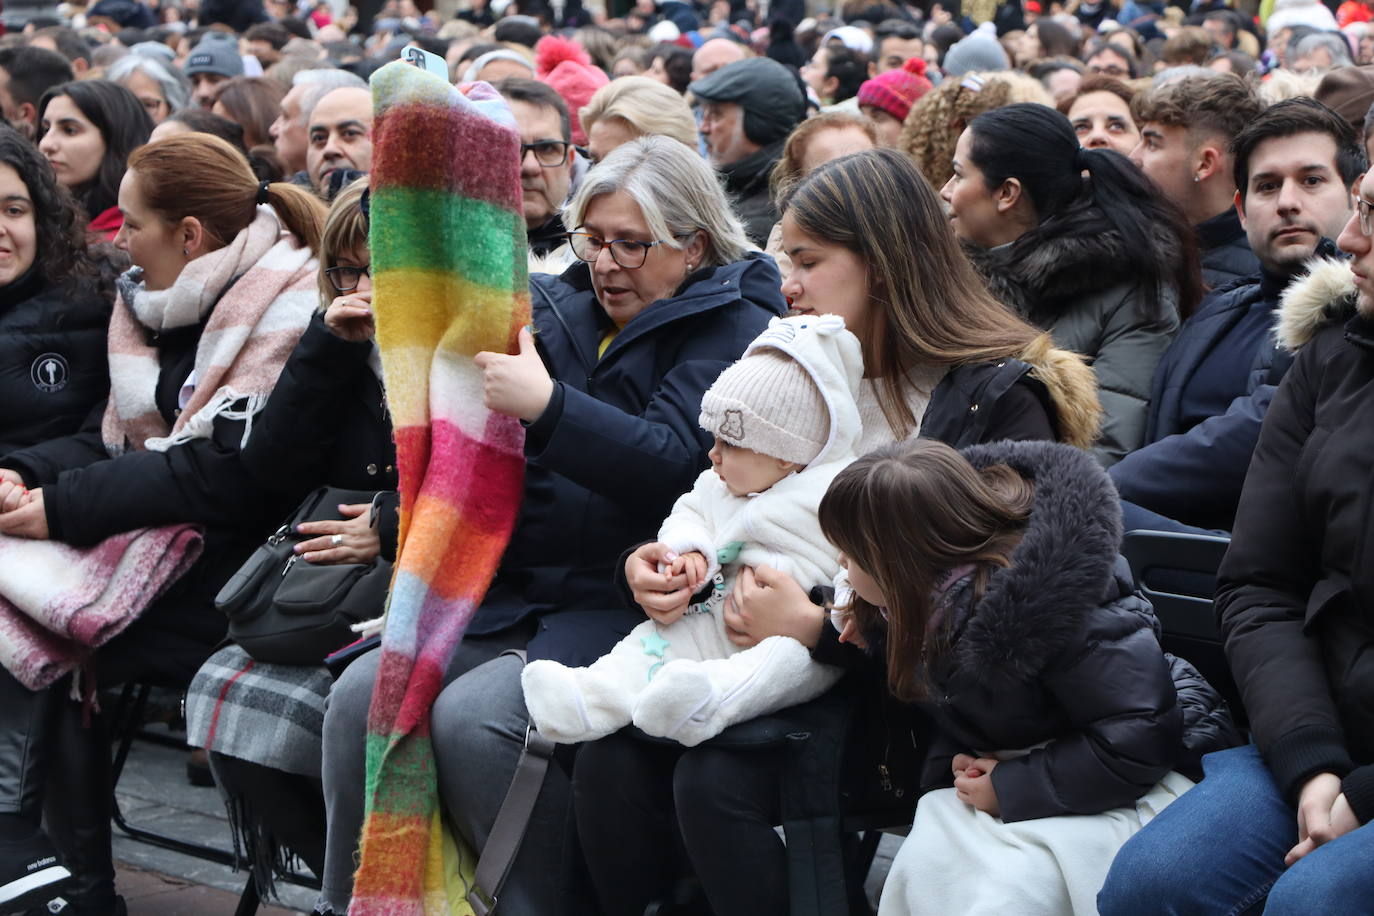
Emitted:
pixel 565 66
pixel 897 90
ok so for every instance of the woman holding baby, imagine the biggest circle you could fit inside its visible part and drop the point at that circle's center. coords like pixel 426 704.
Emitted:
pixel 942 359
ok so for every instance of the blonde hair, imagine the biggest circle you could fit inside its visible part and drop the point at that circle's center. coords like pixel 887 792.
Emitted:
pixel 646 105
pixel 1287 84
pixel 933 125
pixel 345 231
pixel 676 190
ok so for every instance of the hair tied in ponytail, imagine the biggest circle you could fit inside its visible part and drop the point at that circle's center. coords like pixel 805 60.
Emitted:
pixel 262 197
pixel 1084 160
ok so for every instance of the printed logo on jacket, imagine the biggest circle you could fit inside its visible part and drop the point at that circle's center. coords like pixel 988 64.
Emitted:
pixel 50 373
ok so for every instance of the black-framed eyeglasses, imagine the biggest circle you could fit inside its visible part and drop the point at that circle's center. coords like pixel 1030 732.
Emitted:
pixel 346 279
pixel 628 253
pixel 548 153
pixel 1366 224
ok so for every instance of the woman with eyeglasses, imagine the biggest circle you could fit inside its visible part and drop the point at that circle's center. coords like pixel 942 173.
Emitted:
pixel 87 129
pixel 223 285
pixel 159 86
pixel 664 296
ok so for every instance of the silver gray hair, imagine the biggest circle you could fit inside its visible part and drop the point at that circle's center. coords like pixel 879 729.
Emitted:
pixel 319 84
pixel 1334 42
pixel 676 190
pixel 171 84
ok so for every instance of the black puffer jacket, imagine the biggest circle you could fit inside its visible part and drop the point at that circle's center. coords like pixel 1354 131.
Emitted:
pixel 1295 595
pixel 53 370
pixel 326 424
pixel 1060 649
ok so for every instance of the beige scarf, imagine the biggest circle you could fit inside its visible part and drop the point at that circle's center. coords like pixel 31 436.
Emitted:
pixel 255 297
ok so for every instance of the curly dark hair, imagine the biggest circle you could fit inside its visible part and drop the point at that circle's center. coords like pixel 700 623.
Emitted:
pixel 62 256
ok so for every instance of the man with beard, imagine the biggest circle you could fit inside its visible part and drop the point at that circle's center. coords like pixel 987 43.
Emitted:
pixel 1295 169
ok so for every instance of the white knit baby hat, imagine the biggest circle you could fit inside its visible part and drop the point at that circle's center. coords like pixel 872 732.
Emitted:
pixel 767 403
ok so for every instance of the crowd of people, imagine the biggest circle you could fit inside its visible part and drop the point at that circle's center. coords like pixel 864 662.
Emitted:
pixel 860 335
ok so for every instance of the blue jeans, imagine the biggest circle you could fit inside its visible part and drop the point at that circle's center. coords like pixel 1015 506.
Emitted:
pixel 1218 851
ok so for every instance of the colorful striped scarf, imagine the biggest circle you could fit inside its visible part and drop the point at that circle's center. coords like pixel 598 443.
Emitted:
pixel 448 260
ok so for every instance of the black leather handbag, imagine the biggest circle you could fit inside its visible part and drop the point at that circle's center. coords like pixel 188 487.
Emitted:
pixel 286 611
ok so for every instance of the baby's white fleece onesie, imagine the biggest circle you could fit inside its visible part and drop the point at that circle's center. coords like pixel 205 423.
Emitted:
pixel 687 681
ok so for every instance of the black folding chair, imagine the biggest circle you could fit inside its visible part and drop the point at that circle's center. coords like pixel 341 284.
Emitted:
pixel 127 723
pixel 1178 574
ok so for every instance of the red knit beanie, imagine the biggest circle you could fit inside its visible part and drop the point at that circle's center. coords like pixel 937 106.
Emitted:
pixel 897 90
pixel 565 66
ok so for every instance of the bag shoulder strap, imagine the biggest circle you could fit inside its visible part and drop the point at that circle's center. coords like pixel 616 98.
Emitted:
pixel 497 856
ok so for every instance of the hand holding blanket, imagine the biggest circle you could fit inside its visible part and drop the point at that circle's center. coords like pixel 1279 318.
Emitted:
pixel 448 258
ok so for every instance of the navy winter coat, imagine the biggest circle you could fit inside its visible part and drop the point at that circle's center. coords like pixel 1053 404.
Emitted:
pixel 617 444
pixel 1194 474
pixel 1226 255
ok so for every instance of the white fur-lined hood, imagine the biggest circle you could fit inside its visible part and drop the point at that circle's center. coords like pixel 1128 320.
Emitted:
pixel 1326 294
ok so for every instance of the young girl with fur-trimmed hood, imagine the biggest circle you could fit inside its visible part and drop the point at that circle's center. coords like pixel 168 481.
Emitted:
pixel 786 421
pixel 989 581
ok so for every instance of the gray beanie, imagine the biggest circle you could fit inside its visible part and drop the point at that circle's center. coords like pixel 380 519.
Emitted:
pixel 215 56
pixel 770 95
pixel 977 52
pixel 769 404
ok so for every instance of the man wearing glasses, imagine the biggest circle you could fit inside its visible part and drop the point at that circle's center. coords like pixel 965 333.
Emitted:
pixel 1295 169
pixel 547 158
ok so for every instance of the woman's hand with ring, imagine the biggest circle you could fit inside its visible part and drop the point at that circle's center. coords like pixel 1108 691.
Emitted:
pixel 350 316
pixel 350 539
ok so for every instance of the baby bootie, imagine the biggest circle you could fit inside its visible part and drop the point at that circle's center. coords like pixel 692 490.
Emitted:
pixel 568 708
pixel 679 703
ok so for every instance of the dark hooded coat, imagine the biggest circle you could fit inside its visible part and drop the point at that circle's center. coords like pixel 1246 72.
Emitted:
pixel 1074 276
pixel 1060 649
pixel 1295 595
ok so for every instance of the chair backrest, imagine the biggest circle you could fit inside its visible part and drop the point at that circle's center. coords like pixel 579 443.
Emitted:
pixel 1178 574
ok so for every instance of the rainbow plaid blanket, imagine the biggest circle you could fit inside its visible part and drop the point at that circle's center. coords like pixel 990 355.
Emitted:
pixel 448 260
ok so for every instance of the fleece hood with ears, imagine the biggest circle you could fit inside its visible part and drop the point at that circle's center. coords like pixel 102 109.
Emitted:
pixel 833 357
pixel 1322 297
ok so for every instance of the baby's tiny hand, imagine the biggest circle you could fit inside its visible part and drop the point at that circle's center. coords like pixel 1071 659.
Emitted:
pixel 695 565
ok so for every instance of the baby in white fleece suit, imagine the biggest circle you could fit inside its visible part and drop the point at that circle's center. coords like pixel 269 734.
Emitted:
pixel 786 422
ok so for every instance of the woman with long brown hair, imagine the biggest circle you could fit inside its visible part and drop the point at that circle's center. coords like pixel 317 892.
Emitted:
pixel 223 284
pixel 942 359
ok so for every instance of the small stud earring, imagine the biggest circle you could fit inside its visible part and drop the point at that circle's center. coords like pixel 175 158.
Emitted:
pixel 186 252
pixel 1196 179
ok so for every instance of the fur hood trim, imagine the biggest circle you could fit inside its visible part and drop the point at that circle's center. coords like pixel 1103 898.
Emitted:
pixel 1072 386
pixel 1324 295
pixel 1061 572
pixel 1066 258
